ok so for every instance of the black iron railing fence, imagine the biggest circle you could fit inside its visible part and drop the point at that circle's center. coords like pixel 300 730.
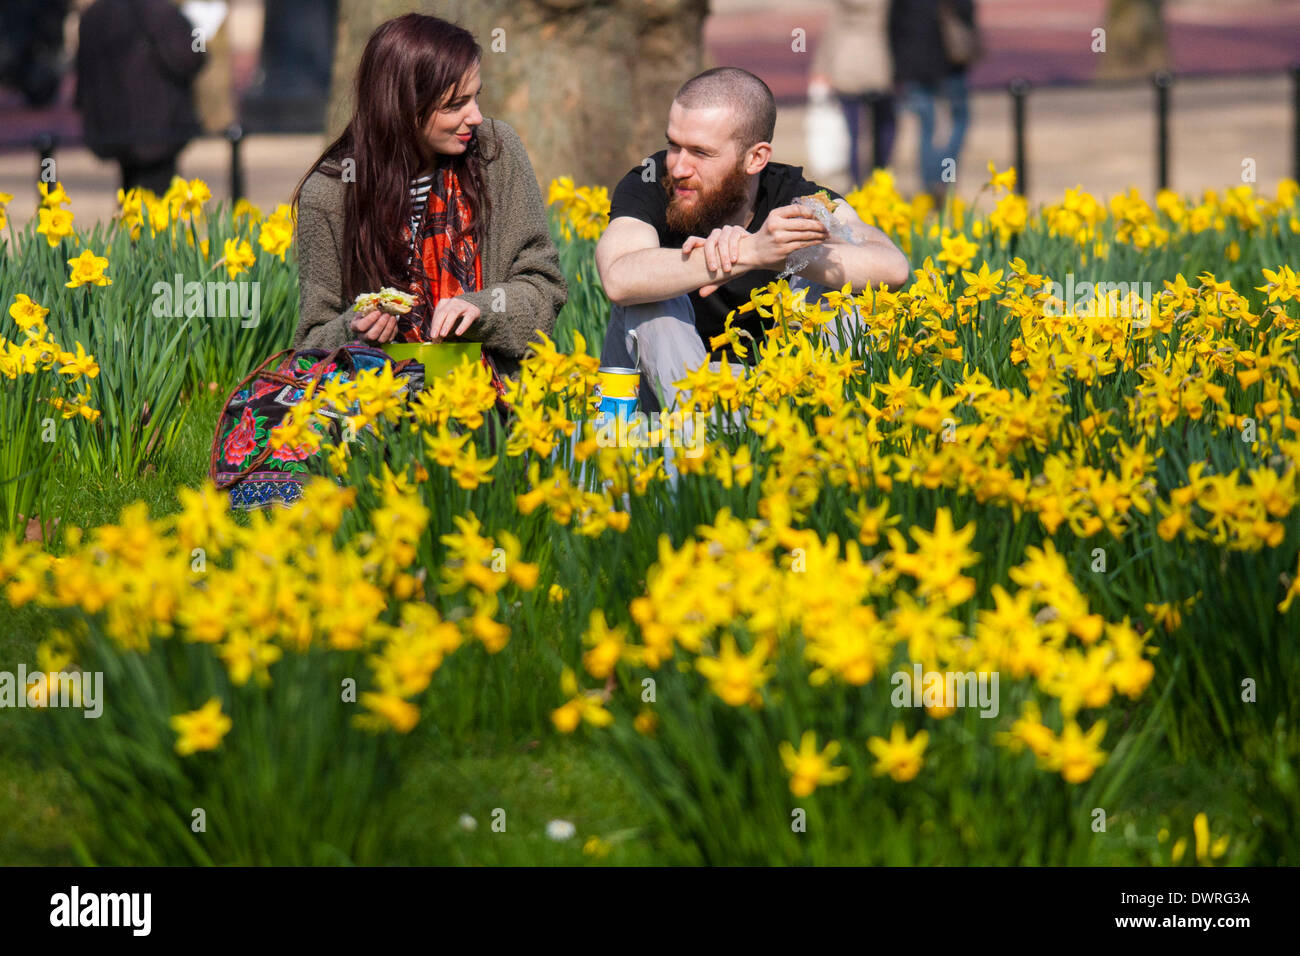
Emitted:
pixel 1163 84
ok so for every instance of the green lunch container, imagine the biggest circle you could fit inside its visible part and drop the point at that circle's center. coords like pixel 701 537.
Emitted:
pixel 438 358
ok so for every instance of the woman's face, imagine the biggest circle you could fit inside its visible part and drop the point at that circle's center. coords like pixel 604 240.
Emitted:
pixel 449 130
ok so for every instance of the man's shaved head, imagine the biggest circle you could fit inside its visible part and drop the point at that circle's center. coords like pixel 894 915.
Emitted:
pixel 745 95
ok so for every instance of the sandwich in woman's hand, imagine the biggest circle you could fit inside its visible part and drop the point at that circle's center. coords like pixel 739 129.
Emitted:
pixel 387 299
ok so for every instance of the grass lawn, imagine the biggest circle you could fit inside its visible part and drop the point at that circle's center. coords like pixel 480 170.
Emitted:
pixel 46 818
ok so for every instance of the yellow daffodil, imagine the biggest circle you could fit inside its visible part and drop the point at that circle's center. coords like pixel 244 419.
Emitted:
pixel 88 269
pixel 983 285
pixel 958 251
pixel 276 234
pixel 27 313
pixel 200 729
pixel 580 706
pixel 1206 851
pixel 1002 180
pixel 52 197
pixel 78 364
pixel 737 677
pixel 238 257
pixel 899 757
pixel 1076 754
pixel 399 714
pixel 809 768
pixel 54 225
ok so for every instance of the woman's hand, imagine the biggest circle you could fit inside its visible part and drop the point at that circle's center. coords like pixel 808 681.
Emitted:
pixel 376 326
pixel 452 317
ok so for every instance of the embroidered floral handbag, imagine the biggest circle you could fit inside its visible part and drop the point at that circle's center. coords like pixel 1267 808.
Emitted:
pixel 242 460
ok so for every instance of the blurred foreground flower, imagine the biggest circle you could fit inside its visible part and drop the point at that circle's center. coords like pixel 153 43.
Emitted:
pixel 809 768
pixel 201 729
pixel 899 757
pixel 560 830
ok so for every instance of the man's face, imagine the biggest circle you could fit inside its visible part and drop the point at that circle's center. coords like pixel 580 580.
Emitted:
pixel 705 176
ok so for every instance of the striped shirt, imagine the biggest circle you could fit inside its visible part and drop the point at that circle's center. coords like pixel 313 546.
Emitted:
pixel 419 200
pixel 420 187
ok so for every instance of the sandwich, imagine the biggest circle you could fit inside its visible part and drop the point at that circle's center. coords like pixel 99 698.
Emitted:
pixel 387 299
pixel 821 198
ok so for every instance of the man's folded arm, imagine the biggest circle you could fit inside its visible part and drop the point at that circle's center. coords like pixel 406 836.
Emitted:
pixel 634 268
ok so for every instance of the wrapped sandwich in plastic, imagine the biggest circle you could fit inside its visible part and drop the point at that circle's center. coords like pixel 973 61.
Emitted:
pixel 821 207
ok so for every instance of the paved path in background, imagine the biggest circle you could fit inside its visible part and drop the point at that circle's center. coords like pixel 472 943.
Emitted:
pixel 1044 41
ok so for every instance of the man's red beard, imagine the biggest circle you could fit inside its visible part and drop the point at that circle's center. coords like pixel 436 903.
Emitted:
pixel 710 208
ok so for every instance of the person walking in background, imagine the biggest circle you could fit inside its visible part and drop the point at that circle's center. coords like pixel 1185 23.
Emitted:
pixel 934 43
pixel 855 61
pixel 31 48
pixel 136 63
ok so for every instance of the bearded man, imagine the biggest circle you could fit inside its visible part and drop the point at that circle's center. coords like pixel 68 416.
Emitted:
pixel 703 222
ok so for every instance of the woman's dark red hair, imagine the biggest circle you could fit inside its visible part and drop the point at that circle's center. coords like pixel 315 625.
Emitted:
pixel 412 65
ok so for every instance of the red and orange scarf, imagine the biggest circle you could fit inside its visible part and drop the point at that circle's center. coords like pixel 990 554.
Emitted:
pixel 444 268
pixel 441 268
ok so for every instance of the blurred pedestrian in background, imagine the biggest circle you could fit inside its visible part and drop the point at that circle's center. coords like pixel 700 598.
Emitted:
pixel 31 47
pixel 854 59
pixel 136 63
pixel 934 43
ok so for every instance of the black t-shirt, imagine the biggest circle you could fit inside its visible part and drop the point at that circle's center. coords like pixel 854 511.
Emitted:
pixel 778 185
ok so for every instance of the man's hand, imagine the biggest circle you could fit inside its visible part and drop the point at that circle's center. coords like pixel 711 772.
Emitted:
pixel 786 230
pixel 447 314
pixel 376 326
pixel 721 251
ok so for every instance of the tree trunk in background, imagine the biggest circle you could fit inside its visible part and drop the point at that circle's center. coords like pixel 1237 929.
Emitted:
pixel 586 83
pixel 1135 39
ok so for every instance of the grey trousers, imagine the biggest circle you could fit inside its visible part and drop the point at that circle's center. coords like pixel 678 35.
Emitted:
pixel 659 340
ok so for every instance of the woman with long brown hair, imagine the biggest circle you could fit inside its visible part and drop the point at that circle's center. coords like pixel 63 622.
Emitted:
pixel 422 193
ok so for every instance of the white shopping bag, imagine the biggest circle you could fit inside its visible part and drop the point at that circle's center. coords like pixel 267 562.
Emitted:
pixel 206 16
pixel 827 133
